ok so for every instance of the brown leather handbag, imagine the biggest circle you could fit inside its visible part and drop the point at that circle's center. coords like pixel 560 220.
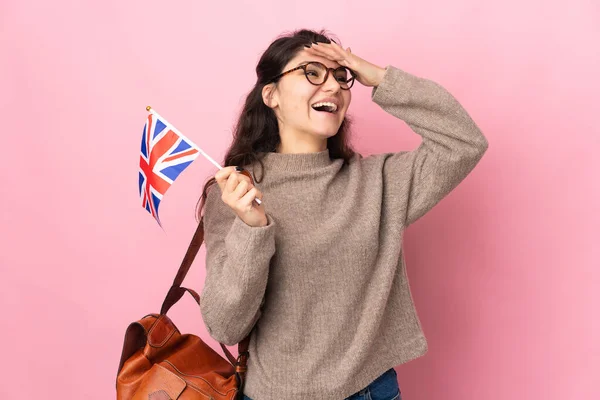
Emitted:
pixel 159 363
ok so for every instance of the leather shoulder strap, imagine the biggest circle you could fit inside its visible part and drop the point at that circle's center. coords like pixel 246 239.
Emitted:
pixel 176 292
pixel 190 254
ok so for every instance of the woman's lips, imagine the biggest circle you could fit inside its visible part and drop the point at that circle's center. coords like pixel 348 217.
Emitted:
pixel 326 113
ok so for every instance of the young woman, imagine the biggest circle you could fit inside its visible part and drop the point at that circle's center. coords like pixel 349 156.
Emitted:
pixel 315 273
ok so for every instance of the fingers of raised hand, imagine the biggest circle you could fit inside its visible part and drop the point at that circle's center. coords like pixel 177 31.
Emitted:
pixel 337 46
pixel 332 51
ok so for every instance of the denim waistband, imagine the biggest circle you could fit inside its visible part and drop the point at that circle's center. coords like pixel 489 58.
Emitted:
pixel 384 387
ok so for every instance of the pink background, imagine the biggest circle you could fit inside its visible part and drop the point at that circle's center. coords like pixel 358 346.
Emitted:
pixel 504 271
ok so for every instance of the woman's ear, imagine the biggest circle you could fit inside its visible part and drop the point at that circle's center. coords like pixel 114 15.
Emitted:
pixel 268 95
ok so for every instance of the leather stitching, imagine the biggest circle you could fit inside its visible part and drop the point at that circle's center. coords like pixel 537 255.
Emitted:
pixel 166 338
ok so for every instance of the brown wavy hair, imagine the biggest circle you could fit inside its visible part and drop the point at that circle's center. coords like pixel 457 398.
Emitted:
pixel 256 130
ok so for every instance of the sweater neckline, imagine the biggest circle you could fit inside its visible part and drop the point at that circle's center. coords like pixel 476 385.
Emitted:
pixel 297 161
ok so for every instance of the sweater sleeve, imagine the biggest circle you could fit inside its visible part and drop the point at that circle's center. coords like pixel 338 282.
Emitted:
pixel 237 267
pixel 451 147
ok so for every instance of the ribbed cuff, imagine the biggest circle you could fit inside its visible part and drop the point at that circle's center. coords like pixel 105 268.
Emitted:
pixel 395 86
pixel 242 234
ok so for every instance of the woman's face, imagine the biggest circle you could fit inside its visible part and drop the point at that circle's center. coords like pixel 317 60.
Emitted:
pixel 293 98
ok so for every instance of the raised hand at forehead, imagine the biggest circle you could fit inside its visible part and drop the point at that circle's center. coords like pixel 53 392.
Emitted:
pixel 367 73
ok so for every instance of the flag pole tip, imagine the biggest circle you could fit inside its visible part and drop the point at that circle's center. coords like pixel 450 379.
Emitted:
pixel 148 108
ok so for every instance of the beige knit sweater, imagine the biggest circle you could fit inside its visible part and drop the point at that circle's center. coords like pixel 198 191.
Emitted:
pixel 324 283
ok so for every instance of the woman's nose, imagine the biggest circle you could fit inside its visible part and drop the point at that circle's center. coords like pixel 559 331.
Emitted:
pixel 331 83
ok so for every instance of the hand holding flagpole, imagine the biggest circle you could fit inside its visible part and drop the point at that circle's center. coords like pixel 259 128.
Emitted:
pixel 209 158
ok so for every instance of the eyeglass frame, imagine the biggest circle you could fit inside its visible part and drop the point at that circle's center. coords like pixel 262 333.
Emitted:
pixel 327 69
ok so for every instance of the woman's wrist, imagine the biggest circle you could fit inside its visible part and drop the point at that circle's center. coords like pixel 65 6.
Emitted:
pixel 380 75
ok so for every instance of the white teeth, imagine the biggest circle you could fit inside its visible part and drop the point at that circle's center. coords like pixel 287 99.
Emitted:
pixel 333 106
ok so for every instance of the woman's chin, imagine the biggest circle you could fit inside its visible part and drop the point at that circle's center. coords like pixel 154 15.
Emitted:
pixel 326 131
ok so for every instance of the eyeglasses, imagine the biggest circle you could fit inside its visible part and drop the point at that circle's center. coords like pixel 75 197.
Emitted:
pixel 317 74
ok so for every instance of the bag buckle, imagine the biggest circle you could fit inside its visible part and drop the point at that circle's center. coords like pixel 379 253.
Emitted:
pixel 244 354
pixel 242 359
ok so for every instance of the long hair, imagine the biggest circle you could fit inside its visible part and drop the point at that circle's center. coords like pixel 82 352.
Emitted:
pixel 256 130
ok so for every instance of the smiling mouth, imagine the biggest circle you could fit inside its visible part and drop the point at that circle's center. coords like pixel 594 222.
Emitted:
pixel 326 106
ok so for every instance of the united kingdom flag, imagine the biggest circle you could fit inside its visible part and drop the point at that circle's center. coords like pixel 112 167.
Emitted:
pixel 165 154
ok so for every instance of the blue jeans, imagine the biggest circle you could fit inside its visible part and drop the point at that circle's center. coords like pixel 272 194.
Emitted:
pixel 385 387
